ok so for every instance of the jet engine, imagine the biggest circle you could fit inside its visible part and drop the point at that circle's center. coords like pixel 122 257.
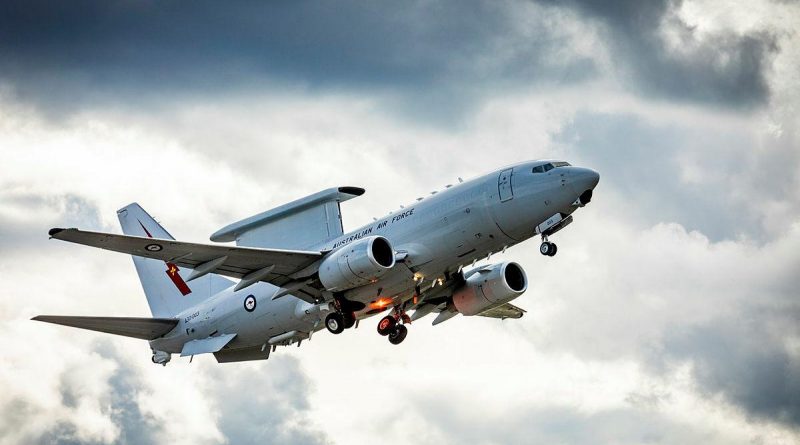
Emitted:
pixel 356 264
pixel 489 287
pixel 161 357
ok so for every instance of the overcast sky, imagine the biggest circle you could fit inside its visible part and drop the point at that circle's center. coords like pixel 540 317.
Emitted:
pixel 671 314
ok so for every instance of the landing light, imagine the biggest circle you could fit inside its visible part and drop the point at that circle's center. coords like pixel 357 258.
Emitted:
pixel 380 303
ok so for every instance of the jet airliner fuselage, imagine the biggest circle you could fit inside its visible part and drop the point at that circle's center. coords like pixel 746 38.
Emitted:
pixel 423 256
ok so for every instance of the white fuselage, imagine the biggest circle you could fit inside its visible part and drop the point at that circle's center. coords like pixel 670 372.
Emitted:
pixel 434 237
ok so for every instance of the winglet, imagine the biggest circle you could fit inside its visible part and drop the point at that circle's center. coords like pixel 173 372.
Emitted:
pixel 52 232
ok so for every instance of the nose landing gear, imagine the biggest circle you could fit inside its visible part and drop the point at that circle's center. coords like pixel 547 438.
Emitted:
pixel 393 326
pixel 547 248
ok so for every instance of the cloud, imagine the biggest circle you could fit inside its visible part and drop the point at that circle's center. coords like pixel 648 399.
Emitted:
pixel 441 55
pixel 429 62
pixel 668 316
pixel 747 360
pixel 276 409
pixel 726 178
pixel 667 57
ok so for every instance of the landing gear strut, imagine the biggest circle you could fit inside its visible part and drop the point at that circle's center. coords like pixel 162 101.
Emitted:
pixel 342 318
pixel 393 326
pixel 547 248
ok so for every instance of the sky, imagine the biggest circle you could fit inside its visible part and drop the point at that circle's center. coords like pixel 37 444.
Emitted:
pixel 670 315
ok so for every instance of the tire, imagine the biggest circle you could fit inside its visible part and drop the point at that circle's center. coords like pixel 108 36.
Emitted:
pixel 545 248
pixel 386 325
pixel 349 320
pixel 553 250
pixel 335 323
pixel 398 334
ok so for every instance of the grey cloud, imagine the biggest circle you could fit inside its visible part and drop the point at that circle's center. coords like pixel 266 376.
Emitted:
pixel 272 406
pixel 746 360
pixel 266 407
pixel 557 424
pixel 439 54
pixel 42 212
pixel 645 163
pixel 725 69
pixel 438 57
pixel 135 427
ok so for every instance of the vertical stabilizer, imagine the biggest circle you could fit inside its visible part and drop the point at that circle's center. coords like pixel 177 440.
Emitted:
pixel 164 283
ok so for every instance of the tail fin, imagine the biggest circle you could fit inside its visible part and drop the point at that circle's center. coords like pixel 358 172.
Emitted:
pixel 164 283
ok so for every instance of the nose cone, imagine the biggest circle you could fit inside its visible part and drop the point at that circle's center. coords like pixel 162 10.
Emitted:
pixel 584 179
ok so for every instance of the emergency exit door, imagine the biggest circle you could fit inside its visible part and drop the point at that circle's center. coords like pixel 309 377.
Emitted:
pixel 504 185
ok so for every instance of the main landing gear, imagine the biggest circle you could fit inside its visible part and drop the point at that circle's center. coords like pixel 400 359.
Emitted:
pixel 547 248
pixel 393 326
pixel 338 321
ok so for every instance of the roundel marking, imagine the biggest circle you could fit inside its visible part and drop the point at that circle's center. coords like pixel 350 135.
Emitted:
pixel 153 247
pixel 250 303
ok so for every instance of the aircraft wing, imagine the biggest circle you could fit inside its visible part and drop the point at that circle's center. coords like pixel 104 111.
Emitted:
pixel 503 311
pixel 250 264
pixel 143 328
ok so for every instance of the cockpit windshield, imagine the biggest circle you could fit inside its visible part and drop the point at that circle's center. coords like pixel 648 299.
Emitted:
pixel 549 166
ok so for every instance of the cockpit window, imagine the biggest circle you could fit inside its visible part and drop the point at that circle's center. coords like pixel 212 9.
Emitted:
pixel 549 166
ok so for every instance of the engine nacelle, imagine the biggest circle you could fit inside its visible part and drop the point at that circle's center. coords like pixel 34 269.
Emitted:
pixel 356 264
pixel 161 358
pixel 489 287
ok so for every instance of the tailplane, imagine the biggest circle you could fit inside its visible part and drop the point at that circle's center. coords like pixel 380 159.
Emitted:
pixel 143 328
pixel 164 283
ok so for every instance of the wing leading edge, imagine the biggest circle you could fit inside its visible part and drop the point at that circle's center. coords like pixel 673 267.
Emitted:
pixel 276 266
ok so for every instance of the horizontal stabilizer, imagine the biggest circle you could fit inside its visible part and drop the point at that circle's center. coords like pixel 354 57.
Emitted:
pixel 142 328
pixel 206 345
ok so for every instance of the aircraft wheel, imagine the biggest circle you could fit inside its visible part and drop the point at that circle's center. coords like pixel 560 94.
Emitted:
pixel 553 249
pixel 546 247
pixel 398 334
pixel 349 320
pixel 335 322
pixel 386 325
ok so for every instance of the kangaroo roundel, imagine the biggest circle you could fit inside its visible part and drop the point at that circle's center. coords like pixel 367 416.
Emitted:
pixel 250 303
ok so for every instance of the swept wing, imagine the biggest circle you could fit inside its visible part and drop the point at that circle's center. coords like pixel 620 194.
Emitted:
pixel 276 266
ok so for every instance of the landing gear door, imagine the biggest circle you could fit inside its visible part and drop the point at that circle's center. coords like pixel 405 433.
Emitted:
pixel 504 185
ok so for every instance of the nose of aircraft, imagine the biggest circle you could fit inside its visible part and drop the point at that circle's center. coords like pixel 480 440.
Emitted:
pixel 584 179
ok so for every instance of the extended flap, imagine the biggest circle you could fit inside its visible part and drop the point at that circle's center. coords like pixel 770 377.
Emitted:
pixel 300 224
